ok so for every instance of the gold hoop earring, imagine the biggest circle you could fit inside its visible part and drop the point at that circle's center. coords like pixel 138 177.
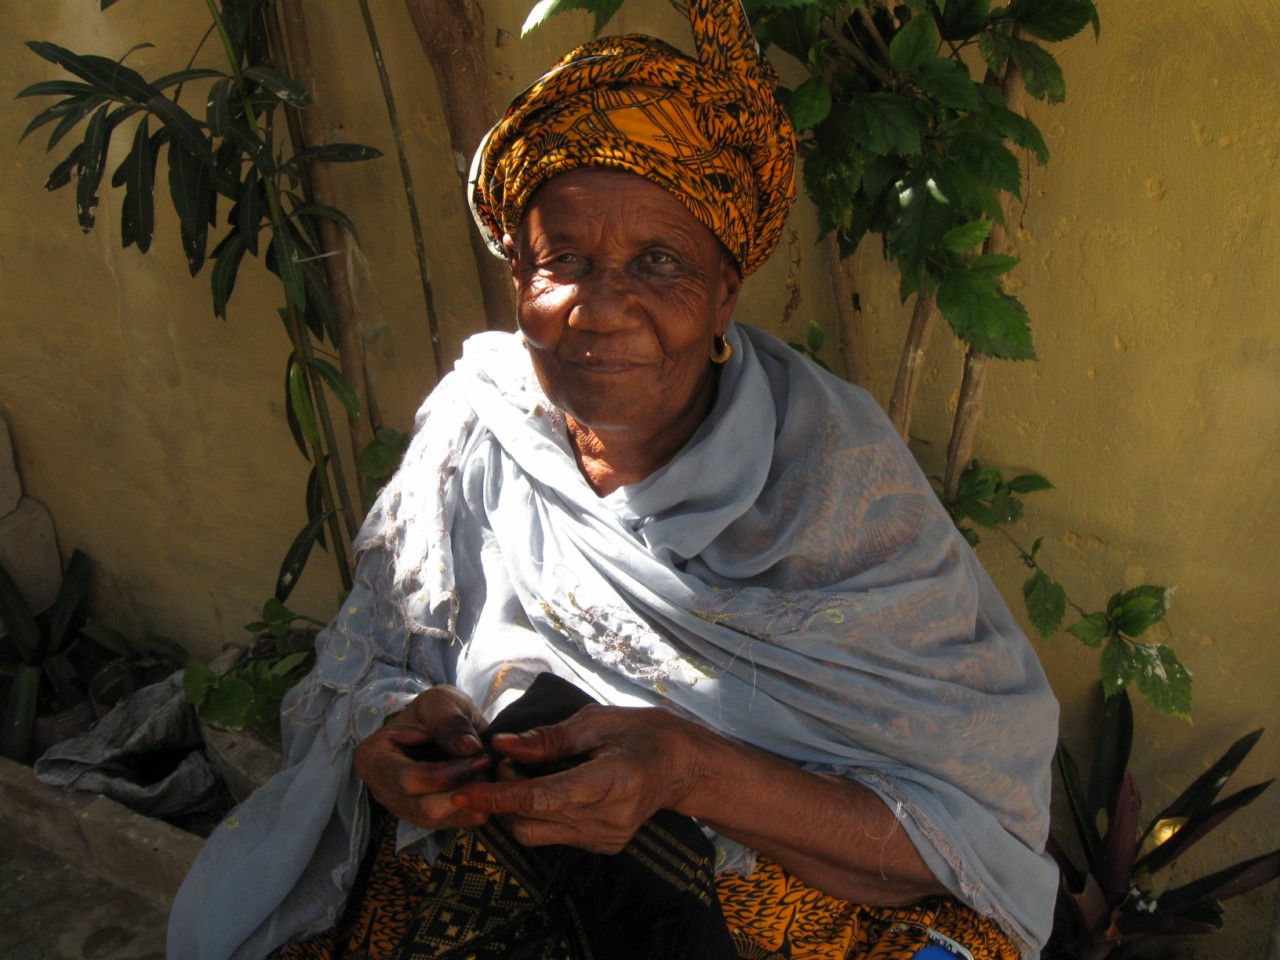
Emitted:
pixel 722 350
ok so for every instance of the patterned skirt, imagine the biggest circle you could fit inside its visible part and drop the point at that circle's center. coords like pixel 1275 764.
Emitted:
pixel 487 898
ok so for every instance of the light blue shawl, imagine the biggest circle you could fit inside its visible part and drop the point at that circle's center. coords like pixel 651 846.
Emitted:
pixel 788 579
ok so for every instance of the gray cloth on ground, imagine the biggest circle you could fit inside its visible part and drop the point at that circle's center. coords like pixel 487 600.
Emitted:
pixel 147 754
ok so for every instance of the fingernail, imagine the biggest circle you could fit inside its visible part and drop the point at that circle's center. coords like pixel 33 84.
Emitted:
pixel 506 738
pixel 461 801
pixel 467 744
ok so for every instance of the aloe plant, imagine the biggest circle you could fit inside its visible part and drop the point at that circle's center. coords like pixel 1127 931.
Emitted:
pixel 33 655
pixel 1123 893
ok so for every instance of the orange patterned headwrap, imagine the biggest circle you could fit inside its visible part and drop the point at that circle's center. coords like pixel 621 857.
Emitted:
pixel 710 130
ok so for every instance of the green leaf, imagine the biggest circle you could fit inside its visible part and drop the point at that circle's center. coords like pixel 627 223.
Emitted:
pixel 76 107
pixel 1092 630
pixel 961 19
pixel 995 46
pixel 336 153
pixel 915 44
pixel 993 264
pixel 249 209
pixel 949 83
pixel 296 557
pixel 1204 790
pixel 110 640
pixel 139 198
pixel 989 159
pixel 884 123
pixel 56 88
pixel 60 175
pixel 103 74
pixel 185 76
pixel 226 264
pixel 1119 665
pixel 1046 602
pixel 1055 19
pixel 1029 483
pixel 300 404
pixel 1041 73
pixel 337 383
pixel 1112 749
pixel 197 680
pixel 92 160
pixel 810 103
pixel 921 224
pixel 20 713
pixel 70 598
pixel 966 236
pixel 218 107
pixel 184 128
pixel 985 317
pixel 290 270
pixel 1134 611
pixel 191 189
pixel 545 9
pixel 1161 679
pixel 283 88
pixel 329 213
pixel 63 678
pixel 16 616
pixel 815 337
pixel 291 418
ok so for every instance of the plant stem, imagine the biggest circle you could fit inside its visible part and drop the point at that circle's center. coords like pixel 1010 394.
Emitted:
pixel 869 22
pixel 911 365
pixel 832 32
pixel 851 346
pixel 451 34
pixel 1035 565
pixel 965 427
pixel 333 238
pixel 302 350
pixel 420 245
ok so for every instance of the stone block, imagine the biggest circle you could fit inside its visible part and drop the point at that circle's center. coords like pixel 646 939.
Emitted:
pixel 10 485
pixel 29 552
pixel 146 856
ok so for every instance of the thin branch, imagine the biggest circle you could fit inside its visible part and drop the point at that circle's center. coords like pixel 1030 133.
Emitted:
pixel 855 53
pixel 317 187
pixel 420 245
pixel 869 22
pixel 851 346
pixel 1025 556
pixel 911 364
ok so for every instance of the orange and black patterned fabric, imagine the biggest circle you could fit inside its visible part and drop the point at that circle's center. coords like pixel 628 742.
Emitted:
pixel 471 905
pixel 710 130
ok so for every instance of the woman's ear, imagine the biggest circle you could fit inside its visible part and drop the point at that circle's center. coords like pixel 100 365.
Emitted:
pixel 730 287
pixel 512 250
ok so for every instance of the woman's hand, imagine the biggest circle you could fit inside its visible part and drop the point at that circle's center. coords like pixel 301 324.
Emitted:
pixel 419 791
pixel 638 761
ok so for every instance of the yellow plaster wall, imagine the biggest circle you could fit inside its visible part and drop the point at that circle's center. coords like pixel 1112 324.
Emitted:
pixel 155 433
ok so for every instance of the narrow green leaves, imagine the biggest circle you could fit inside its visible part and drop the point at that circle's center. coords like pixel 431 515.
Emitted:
pixel 337 153
pixel 138 220
pixel 101 73
pixel 89 175
pixel 285 89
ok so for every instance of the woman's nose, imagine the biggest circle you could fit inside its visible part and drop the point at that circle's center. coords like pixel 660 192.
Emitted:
pixel 606 300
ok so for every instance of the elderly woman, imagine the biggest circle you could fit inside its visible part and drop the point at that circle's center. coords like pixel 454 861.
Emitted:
pixel 795 658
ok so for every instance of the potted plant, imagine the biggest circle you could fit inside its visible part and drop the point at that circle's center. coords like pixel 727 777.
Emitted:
pixel 137 663
pixel 44 693
pixel 1123 895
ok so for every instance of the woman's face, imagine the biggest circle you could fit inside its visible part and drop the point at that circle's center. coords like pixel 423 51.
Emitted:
pixel 621 292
